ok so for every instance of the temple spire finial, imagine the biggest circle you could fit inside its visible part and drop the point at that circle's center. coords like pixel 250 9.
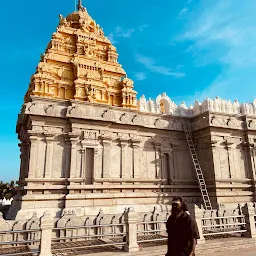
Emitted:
pixel 79 5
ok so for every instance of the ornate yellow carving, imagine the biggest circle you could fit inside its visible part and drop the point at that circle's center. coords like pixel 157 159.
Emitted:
pixel 81 63
pixel 162 107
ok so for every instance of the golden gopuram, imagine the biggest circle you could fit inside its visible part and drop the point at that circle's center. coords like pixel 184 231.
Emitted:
pixel 87 142
pixel 80 63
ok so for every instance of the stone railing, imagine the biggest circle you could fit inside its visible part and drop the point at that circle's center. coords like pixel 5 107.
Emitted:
pixel 164 105
pixel 20 237
pixel 224 221
pixel 128 231
pixel 100 231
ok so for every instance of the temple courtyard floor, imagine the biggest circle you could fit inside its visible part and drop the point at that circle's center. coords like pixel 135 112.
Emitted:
pixel 218 247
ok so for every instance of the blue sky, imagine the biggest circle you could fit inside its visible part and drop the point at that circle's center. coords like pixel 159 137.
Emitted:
pixel 190 49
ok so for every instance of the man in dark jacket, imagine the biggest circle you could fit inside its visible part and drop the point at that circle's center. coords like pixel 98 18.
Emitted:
pixel 182 230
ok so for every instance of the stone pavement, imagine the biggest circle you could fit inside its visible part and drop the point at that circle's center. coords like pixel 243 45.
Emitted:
pixel 244 252
pixel 220 247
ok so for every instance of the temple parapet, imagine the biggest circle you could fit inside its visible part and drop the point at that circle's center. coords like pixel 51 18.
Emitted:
pixel 164 105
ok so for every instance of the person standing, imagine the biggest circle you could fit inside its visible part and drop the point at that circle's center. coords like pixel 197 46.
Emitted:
pixel 182 230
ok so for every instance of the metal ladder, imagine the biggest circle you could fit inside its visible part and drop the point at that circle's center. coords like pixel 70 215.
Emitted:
pixel 199 173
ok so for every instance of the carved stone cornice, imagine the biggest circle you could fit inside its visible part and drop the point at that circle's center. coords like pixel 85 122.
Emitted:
pixel 135 141
pixel 226 121
pixel 157 144
pixel 33 133
pixel 49 135
pixel 106 138
pixel 58 108
pixel 73 136
pixel 124 143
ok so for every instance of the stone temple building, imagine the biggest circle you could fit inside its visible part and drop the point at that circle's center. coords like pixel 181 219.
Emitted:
pixel 87 142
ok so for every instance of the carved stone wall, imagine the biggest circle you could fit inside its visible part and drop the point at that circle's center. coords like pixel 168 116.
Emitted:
pixel 81 153
pixel 231 167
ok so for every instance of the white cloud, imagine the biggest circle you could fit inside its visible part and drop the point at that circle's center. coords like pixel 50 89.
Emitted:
pixel 111 37
pixel 224 33
pixel 124 33
pixel 119 32
pixel 127 33
pixel 153 67
pixel 140 76
pixel 142 27
pixel 183 12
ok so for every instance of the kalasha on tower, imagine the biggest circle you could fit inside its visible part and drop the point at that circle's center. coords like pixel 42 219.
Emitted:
pixel 87 143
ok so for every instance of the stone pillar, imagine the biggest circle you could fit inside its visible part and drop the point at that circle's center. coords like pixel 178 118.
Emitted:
pixel 215 159
pixel 81 165
pixel 158 160
pixel 22 160
pixel 131 218
pixel 46 235
pixel 123 144
pixel 171 164
pixel 59 88
pixel 106 157
pixel 198 215
pixel 33 156
pixel 36 88
pixel 97 163
pixel 245 156
pixel 27 150
pixel 67 155
pixel 165 165
pixel 74 141
pixel 230 160
pixel 173 169
pixel 251 172
pixel 136 161
pixel 252 153
pixel 170 170
pixel 49 155
pixel 25 159
pixel 249 212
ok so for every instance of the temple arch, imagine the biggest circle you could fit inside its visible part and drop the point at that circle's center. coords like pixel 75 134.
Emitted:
pixel 164 104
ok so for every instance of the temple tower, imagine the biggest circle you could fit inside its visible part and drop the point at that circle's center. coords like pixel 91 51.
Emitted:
pixel 80 63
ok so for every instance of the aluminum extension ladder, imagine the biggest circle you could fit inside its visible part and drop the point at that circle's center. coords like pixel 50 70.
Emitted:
pixel 199 173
